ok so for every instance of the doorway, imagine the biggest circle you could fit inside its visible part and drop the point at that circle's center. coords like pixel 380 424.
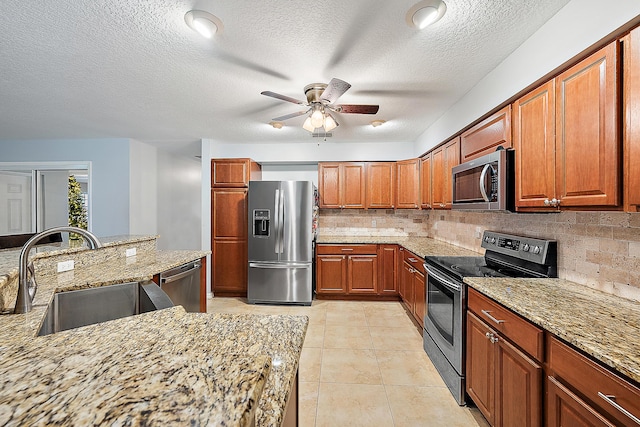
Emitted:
pixel 37 196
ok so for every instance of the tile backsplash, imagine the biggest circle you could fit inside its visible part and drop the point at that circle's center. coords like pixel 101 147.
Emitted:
pixel 598 249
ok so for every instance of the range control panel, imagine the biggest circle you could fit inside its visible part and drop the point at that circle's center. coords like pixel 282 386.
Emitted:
pixel 526 248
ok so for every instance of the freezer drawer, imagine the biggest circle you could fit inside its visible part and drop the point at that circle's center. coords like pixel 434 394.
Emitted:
pixel 289 283
pixel 182 285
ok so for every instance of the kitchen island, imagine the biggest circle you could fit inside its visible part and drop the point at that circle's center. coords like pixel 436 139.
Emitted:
pixel 157 368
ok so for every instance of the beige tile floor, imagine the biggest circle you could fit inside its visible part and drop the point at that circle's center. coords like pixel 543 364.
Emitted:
pixel 362 364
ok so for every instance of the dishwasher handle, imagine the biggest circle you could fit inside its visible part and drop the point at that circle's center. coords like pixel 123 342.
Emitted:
pixel 173 278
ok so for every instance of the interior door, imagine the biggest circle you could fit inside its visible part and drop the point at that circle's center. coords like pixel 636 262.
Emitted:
pixel 16 194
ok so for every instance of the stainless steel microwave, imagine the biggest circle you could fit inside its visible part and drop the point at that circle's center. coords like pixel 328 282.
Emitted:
pixel 485 183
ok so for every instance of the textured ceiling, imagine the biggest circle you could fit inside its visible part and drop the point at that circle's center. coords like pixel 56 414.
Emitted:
pixel 133 69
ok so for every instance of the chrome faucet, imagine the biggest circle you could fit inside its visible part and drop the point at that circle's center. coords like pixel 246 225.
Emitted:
pixel 27 287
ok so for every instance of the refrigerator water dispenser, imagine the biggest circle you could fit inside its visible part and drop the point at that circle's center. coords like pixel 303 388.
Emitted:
pixel 261 222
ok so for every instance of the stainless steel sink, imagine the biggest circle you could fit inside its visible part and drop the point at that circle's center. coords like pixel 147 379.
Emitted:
pixel 73 309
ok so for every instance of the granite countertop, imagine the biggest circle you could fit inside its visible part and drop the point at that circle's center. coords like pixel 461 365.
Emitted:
pixel 421 246
pixel 156 368
pixel 603 325
pixel 162 367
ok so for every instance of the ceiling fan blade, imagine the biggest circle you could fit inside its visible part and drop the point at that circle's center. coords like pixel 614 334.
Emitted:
pixel 282 97
pixel 357 109
pixel 290 116
pixel 334 90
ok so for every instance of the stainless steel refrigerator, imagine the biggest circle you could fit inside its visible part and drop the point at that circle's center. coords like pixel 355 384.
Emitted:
pixel 281 242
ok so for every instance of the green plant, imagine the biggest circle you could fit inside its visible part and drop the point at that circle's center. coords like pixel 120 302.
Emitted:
pixel 77 211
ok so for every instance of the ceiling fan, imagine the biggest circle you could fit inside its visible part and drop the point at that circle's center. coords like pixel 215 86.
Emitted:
pixel 321 98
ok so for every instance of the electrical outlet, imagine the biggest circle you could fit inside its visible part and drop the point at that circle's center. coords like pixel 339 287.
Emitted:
pixel 65 266
pixel 373 223
pixel 130 252
pixel 478 232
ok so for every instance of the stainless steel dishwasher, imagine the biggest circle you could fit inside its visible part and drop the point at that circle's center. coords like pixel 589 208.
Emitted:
pixel 182 285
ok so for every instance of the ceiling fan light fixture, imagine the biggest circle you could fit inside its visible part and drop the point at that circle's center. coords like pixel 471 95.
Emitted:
pixel 203 23
pixel 308 126
pixel 329 123
pixel 425 13
pixel 317 118
pixel 277 125
pixel 376 123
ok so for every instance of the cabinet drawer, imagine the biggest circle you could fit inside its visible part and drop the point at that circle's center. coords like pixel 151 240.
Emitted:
pixel 525 335
pixel 594 382
pixel 346 249
pixel 414 260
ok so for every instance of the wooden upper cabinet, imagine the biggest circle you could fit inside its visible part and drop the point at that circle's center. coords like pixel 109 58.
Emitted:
pixel 443 159
pixel 234 172
pixel 486 136
pixel 353 185
pixel 408 194
pixel 631 104
pixel 381 178
pixel 534 143
pixel 425 181
pixel 342 185
pixel 587 131
pixel 329 185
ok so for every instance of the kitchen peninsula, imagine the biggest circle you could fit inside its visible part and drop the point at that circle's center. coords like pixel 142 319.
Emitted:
pixel 154 368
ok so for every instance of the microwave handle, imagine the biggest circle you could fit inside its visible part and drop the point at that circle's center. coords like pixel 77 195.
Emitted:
pixel 483 176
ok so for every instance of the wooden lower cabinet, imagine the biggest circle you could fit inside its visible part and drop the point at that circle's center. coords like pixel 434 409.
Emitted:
pixel 565 408
pixel 347 270
pixel 387 268
pixel 229 268
pixel 596 392
pixel 362 274
pixel 413 293
pixel 480 366
pixel 504 382
pixel 331 272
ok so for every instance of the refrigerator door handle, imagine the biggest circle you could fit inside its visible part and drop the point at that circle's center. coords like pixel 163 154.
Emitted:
pixel 272 265
pixel 281 222
pixel 277 225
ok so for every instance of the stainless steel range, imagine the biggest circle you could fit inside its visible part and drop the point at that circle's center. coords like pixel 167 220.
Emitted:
pixel 444 324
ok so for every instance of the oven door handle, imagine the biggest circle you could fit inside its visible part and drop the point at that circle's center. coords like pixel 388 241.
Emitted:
pixel 447 283
pixel 483 177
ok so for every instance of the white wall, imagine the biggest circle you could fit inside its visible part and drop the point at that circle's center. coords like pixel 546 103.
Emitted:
pixel 295 172
pixel 580 24
pixel 179 201
pixel 109 174
pixel 143 203
pixel 313 152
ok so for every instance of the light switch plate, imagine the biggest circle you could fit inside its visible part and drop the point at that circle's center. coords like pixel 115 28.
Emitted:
pixel 130 252
pixel 65 266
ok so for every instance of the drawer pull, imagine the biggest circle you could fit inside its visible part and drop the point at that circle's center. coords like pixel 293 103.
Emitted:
pixel 611 400
pixel 493 319
pixel 346 249
pixel 413 260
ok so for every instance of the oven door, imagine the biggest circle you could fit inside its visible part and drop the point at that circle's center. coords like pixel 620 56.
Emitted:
pixel 445 311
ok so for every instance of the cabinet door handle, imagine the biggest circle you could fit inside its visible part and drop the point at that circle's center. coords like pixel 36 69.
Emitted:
pixel 611 400
pixel 493 319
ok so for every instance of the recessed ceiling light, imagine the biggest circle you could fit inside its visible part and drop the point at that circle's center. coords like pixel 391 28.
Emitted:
pixel 377 123
pixel 425 13
pixel 203 23
pixel 277 125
